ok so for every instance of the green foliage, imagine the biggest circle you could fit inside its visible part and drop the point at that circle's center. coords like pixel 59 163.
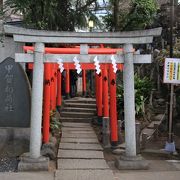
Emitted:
pixel 55 124
pixel 52 14
pixel 140 15
pixel 143 88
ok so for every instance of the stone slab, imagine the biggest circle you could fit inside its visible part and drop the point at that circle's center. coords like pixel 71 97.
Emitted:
pixel 131 163
pixel 153 123
pixel 33 164
pixel 159 117
pixel 147 131
pixel 77 146
pixel 76 125
pixel 27 176
pixel 80 154
pixel 154 175
pixel 76 119
pixel 79 129
pixel 84 175
pixel 82 164
pixel 14 94
pixel 81 105
pixel 77 114
pixel 76 109
pixel 78 135
pixel 80 140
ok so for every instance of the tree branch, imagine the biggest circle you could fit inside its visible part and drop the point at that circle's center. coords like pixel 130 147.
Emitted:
pixel 88 3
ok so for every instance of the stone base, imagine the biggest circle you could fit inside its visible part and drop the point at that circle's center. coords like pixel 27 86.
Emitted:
pixel 30 164
pixel 131 163
pixel 49 150
pixel 17 138
pixel 114 145
pixel 106 133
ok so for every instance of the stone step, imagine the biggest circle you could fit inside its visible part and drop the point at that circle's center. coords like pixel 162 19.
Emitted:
pixel 153 124
pixel 78 135
pixel 75 125
pixel 80 140
pixel 84 174
pixel 81 101
pixel 147 131
pixel 159 111
pixel 75 109
pixel 77 146
pixel 87 101
pixel 78 129
pixel 75 119
pixel 159 117
pixel 82 132
pixel 77 114
pixel 80 154
pixel 82 164
pixel 79 105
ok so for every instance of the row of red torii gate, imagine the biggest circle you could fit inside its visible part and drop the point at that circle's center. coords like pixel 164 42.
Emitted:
pixel 105 86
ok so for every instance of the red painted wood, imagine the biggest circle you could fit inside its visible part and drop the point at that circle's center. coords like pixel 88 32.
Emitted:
pixel 55 84
pixel 59 95
pixel 96 90
pixel 46 104
pixel 99 88
pixel 67 81
pixel 84 81
pixel 105 93
pixel 53 96
pixel 113 108
pixel 75 50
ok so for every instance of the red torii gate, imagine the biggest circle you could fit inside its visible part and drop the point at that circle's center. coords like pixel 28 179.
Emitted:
pixel 52 86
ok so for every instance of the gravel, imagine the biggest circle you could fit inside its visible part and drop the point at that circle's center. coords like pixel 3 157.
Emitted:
pixel 9 155
pixel 8 164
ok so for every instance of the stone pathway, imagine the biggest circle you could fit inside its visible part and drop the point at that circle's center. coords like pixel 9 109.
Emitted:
pixel 80 156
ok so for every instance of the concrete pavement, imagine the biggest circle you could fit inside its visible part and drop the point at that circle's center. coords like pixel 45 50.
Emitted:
pixel 130 175
pixel 27 176
pixel 162 175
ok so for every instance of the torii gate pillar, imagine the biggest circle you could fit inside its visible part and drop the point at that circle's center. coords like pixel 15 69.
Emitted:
pixel 129 99
pixel 37 96
pixel 130 160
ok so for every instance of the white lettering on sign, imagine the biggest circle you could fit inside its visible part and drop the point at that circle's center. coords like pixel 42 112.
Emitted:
pixel 9 90
pixel 172 70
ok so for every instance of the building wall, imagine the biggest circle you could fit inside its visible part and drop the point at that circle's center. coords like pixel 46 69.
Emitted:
pixel 8 48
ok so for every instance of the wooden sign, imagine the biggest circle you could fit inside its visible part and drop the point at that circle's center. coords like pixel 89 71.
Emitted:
pixel 172 71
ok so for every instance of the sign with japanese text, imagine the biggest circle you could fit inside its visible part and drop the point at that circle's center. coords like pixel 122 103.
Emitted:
pixel 172 70
pixel 14 95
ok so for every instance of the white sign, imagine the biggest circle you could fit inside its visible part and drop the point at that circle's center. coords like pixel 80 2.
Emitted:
pixel 172 70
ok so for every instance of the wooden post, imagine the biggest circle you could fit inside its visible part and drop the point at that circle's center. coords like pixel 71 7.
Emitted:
pixel 67 84
pixel 105 92
pixel 55 84
pixel 106 129
pixel 84 83
pixel 96 88
pixel 53 105
pixel 99 88
pixel 59 95
pixel 113 108
pixel 46 106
